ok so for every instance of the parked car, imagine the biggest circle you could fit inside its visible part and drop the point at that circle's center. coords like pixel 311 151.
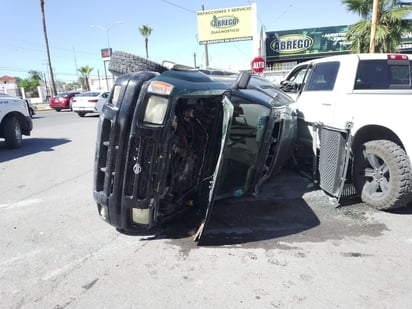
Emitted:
pixel 102 100
pixel 86 102
pixel 353 125
pixel 15 120
pixel 62 100
pixel 30 106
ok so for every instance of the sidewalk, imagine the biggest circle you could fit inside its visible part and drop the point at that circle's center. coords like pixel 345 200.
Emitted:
pixel 42 107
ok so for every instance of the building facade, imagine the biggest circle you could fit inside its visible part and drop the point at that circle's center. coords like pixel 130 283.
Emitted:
pixel 8 85
pixel 286 48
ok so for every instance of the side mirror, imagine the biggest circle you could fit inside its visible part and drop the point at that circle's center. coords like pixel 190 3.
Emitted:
pixel 242 80
pixel 289 86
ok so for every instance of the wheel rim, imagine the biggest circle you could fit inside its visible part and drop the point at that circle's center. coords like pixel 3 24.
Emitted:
pixel 377 176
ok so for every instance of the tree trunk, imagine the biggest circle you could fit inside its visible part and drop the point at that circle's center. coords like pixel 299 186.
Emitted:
pixel 146 43
pixel 374 25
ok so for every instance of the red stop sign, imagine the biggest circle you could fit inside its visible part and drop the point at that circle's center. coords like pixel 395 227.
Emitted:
pixel 258 65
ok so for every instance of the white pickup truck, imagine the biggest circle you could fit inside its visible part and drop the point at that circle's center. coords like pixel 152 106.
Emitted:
pixel 354 113
pixel 15 120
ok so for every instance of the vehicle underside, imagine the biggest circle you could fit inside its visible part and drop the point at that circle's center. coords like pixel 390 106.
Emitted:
pixel 195 142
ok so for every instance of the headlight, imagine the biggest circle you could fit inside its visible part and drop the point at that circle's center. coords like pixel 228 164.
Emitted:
pixel 155 110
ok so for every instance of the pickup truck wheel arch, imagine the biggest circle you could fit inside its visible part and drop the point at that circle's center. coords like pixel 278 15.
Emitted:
pixel 382 174
pixel 12 132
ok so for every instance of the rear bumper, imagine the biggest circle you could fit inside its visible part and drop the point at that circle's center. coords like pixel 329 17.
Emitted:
pixel 84 109
pixel 59 105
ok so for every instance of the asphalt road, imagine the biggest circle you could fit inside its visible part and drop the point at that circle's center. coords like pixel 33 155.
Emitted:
pixel 287 248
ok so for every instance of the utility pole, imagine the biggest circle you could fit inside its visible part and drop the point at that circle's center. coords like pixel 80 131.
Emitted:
pixel 75 64
pixel 53 84
pixel 206 48
pixel 194 58
pixel 375 13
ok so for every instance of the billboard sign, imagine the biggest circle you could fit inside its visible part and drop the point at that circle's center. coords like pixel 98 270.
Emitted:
pixel 226 25
pixel 306 43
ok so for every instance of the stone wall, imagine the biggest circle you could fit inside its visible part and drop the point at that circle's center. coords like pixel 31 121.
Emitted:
pixel 122 62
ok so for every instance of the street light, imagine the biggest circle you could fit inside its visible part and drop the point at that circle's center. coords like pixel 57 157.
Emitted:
pixel 106 29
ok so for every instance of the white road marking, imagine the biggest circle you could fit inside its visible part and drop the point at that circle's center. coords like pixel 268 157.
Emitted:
pixel 20 203
pixel 64 268
pixel 20 256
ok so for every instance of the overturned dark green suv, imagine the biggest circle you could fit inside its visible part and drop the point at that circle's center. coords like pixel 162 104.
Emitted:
pixel 178 140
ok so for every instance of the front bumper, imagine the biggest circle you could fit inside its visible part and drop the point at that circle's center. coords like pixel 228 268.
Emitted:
pixel 112 142
pixel 28 127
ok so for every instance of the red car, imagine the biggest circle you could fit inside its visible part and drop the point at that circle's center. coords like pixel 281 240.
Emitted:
pixel 62 100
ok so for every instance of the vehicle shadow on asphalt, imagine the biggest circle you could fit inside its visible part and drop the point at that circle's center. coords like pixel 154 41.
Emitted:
pixel 279 210
pixel 401 211
pixel 242 222
pixel 30 146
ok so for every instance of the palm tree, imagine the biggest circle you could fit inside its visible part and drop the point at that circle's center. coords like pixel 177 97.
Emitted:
pixel 47 47
pixel 85 72
pixel 145 31
pixel 35 75
pixel 390 25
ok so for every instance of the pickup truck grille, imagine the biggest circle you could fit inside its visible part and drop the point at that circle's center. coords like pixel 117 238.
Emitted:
pixel 334 155
pixel 106 164
pixel 139 167
pixel 102 155
pixel 107 169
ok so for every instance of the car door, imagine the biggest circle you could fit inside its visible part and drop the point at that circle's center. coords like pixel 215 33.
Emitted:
pixel 316 102
pixel 227 119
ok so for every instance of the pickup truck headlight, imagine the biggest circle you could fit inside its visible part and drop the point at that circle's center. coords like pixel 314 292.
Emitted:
pixel 155 110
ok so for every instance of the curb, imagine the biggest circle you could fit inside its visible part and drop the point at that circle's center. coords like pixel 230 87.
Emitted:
pixel 40 107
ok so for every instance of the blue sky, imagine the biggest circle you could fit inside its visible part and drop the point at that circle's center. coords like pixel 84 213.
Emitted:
pixel 74 43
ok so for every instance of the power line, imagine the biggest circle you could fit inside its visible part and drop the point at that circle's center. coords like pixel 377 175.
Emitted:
pixel 280 15
pixel 53 49
pixel 178 6
pixel 22 70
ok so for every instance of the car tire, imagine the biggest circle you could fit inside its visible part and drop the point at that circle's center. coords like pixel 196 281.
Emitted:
pixel 382 174
pixel 81 114
pixel 58 109
pixel 12 133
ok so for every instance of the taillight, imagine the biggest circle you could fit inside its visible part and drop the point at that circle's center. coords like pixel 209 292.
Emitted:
pixel 93 101
pixel 397 57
